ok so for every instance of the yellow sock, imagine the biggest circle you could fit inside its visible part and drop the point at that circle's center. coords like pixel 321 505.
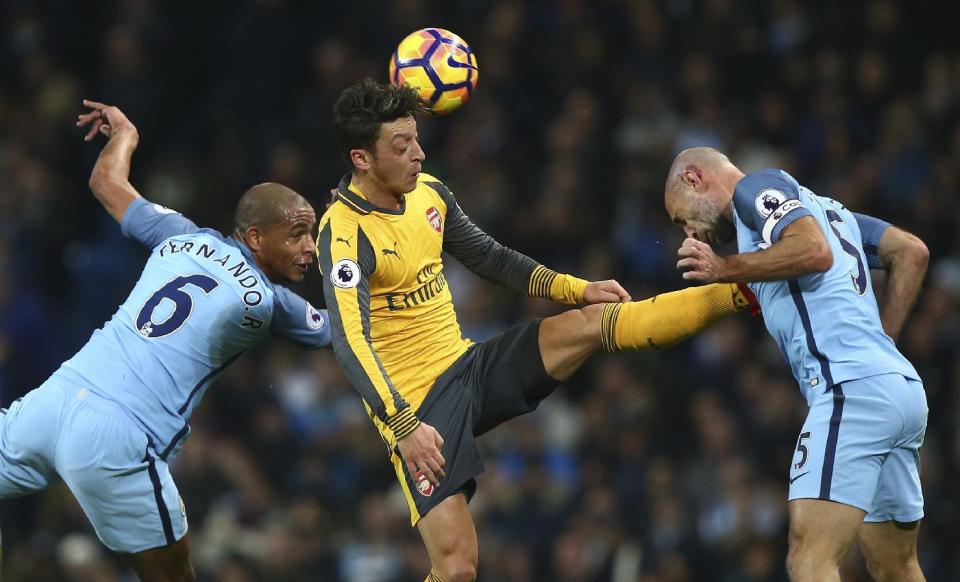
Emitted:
pixel 433 577
pixel 666 319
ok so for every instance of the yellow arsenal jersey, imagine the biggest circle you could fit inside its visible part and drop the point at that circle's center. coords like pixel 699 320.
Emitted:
pixel 394 327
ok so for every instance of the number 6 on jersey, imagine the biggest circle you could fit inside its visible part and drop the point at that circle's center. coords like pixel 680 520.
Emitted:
pixel 183 305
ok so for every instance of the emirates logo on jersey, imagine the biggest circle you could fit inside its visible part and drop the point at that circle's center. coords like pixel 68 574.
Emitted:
pixel 435 220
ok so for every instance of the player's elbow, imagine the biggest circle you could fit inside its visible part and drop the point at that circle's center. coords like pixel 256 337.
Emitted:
pixel 820 257
pixel 96 180
pixel 900 249
pixel 99 182
pixel 918 253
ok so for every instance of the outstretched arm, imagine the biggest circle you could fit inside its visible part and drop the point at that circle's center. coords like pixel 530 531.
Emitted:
pixel 490 260
pixel 904 257
pixel 109 179
pixel 150 224
pixel 801 250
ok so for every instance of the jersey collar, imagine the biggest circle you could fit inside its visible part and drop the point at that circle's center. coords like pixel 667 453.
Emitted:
pixel 358 203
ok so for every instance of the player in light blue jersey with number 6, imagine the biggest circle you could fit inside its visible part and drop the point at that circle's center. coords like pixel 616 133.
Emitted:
pixel 855 471
pixel 111 418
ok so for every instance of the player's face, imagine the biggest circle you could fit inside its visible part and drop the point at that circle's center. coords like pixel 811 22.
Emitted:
pixel 287 249
pixel 701 218
pixel 397 156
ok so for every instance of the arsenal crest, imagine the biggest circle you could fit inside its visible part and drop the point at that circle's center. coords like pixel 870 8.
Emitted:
pixel 424 486
pixel 435 220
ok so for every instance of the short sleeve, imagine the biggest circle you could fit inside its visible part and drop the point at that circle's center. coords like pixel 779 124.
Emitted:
pixel 150 224
pixel 767 202
pixel 298 321
pixel 871 230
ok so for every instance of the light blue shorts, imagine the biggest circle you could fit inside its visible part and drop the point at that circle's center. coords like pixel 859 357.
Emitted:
pixel 860 446
pixel 105 459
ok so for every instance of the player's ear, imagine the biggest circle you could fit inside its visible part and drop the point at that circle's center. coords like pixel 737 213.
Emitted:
pixel 691 177
pixel 254 238
pixel 361 159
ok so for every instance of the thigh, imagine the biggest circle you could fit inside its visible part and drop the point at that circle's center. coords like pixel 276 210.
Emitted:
pixel 823 529
pixel 842 447
pixel 169 563
pixel 28 433
pixel 126 492
pixel 449 533
pixel 508 376
pixel 449 409
pixel 567 340
pixel 890 542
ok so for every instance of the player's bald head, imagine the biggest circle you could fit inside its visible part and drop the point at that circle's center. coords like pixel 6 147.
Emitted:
pixel 702 161
pixel 698 192
pixel 267 205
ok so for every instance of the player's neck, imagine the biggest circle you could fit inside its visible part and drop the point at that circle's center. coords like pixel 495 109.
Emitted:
pixel 256 257
pixel 375 192
pixel 729 181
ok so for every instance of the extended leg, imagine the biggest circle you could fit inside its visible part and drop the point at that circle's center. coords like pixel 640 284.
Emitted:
pixel 568 339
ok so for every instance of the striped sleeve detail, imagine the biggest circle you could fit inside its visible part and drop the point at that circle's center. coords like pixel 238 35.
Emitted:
pixel 608 326
pixel 347 263
pixel 549 284
pixel 541 281
pixel 403 423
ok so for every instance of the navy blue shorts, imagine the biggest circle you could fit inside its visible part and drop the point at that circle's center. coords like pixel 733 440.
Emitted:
pixel 484 388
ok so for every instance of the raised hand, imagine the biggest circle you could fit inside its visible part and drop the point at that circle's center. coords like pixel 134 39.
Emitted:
pixel 105 119
pixel 699 262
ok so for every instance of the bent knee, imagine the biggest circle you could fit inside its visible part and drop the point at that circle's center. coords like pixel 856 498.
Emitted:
pixel 583 321
pixel 890 570
pixel 809 560
pixel 464 572
pixel 460 565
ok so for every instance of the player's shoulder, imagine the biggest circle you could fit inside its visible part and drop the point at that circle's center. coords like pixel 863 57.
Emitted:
pixel 339 215
pixel 765 190
pixel 424 178
pixel 204 240
pixel 769 178
pixel 432 186
pixel 205 235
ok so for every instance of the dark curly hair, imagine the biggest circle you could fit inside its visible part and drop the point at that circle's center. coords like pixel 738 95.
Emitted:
pixel 364 106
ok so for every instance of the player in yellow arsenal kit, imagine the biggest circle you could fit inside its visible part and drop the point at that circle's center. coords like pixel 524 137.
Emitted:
pixel 429 390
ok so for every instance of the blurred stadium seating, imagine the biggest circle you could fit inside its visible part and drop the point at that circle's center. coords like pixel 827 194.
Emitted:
pixel 668 466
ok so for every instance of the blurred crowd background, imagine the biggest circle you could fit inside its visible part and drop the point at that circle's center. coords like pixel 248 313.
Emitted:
pixel 667 466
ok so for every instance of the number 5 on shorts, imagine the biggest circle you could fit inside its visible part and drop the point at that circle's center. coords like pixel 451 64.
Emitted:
pixel 802 449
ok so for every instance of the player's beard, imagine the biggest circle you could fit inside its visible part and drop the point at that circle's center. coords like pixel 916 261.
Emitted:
pixel 724 230
pixel 721 229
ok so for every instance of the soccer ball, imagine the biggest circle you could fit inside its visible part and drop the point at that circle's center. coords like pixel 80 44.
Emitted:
pixel 439 65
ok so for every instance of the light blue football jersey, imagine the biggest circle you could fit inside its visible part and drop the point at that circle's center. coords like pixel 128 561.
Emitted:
pixel 826 324
pixel 200 303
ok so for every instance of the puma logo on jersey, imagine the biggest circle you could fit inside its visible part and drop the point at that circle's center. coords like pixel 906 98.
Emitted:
pixel 345 241
pixel 389 252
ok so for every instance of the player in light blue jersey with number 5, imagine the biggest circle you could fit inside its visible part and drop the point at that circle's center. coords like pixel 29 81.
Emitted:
pixel 855 472
pixel 111 418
